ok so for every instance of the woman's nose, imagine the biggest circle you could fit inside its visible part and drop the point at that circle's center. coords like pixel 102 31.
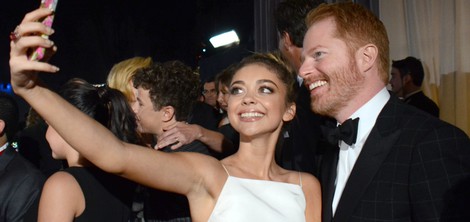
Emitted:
pixel 248 99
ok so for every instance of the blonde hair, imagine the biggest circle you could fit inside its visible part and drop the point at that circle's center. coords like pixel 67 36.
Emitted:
pixel 121 74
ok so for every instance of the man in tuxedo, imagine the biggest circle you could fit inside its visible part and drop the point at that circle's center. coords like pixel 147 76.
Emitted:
pixel 397 163
pixel 20 181
pixel 302 143
pixel 406 81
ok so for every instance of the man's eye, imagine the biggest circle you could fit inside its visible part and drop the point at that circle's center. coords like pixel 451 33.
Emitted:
pixel 209 91
pixel 318 54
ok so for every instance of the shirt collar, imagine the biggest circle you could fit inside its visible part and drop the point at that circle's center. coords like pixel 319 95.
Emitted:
pixel 3 148
pixel 369 112
pixel 410 94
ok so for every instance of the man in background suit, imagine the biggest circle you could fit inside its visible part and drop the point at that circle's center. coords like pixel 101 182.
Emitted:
pixel 166 94
pixel 401 164
pixel 302 144
pixel 406 81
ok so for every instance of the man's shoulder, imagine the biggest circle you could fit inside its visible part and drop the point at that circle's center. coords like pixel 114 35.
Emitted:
pixel 411 121
pixel 196 146
pixel 20 179
pixel 21 169
pixel 421 101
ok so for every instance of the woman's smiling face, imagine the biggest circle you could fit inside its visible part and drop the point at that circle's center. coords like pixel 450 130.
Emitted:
pixel 257 102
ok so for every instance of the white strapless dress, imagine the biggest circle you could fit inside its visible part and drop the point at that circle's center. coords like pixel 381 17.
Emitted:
pixel 244 200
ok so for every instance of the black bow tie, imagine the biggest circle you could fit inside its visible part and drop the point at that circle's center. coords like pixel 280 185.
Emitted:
pixel 346 132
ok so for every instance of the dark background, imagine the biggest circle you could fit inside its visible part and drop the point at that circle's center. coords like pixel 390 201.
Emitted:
pixel 94 35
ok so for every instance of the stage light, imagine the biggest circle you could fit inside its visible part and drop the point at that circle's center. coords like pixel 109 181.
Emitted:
pixel 224 39
pixel 6 88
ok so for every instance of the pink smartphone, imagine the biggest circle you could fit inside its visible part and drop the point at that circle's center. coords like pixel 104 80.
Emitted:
pixel 38 53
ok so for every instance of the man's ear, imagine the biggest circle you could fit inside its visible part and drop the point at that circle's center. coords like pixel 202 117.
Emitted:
pixel 406 79
pixel 168 113
pixel 367 55
pixel 287 40
pixel 290 113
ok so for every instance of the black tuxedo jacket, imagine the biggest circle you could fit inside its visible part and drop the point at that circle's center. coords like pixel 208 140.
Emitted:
pixel 422 102
pixel 413 167
pixel 302 150
pixel 20 187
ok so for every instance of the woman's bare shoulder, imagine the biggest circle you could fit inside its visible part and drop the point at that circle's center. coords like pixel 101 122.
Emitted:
pixel 62 182
pixel 61 193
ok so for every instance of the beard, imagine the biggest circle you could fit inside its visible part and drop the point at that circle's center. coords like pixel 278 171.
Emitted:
pixel 343 85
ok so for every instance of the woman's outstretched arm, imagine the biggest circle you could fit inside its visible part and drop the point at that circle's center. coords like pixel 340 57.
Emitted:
pixel 90 138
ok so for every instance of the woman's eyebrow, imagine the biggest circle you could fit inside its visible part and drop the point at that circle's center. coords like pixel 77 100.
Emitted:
pixel 267 81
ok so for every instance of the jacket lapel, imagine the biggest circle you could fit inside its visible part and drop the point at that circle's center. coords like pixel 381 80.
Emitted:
pixel 6 158
pixel 376 148
pixel 328 177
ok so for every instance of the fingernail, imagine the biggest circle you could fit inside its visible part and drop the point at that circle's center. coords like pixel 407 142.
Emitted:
pixel 49 42
pixel 49 31
pixel 56 69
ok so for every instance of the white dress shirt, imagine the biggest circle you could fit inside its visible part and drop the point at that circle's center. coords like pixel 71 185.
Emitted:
pixel 348 155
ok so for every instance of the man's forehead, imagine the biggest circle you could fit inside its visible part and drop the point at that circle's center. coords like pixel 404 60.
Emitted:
pixel 209 85
pixel 322 26
pixel 142 93
pixel 142 89
pixel 320 30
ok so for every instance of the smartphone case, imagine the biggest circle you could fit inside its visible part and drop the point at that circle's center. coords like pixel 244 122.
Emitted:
pixel 38 53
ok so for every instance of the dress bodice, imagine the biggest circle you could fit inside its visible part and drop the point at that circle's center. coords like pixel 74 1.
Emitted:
pixel 259 200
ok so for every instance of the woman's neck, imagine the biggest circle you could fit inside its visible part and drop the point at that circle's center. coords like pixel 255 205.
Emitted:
pixel 256 157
